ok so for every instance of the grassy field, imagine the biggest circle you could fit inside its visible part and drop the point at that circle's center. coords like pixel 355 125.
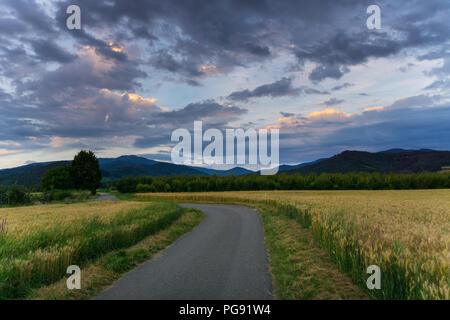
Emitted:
pixel 404 232
pixel 101 273
pixel 42 241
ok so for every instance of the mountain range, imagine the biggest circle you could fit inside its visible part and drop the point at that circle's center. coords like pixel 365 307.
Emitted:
pixel 393 160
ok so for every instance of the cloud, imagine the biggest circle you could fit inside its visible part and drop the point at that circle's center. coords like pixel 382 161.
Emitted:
pixel 375 108
pixel 331 102
pixel 329 114
pixel 420 100
pixel 6 151
pixel 280 88
pixel 91 85
pixel 49 51
pixel 342 86
pixel 213 115
pixel 328 71
pixel 405 123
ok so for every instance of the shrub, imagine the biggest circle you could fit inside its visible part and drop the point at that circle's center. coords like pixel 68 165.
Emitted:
pixel 57 178
pixel 143 188
pixel 14 195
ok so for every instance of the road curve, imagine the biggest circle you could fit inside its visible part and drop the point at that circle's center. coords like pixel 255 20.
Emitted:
pixel 222 258
pixel 102 196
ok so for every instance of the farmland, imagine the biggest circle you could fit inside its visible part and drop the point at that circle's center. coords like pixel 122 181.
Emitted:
pixel 405 232
pixel 39 242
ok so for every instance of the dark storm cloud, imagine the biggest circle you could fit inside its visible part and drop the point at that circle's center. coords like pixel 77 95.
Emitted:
pixel 280 88
pixel 165 61
pixel 236 33
pixel 212 114
pixel 202 110
pixel 32 15
pixel 239 32
pixel 49 51
pixel 327 71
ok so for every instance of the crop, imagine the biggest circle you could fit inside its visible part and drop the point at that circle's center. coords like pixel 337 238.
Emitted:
pixel 42 241
pixel 404 232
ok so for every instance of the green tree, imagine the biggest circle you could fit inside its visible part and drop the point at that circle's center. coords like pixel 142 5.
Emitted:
pixel 85 171
pixel 57 178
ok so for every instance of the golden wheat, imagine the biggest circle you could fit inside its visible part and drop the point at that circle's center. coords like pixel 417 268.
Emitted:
pixel 405 232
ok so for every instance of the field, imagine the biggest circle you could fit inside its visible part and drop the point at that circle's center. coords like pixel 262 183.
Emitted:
pixel 405 232
pixel 42 241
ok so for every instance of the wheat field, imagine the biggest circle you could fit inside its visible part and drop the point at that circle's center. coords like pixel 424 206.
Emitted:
pixel 405 232
pixel 42 241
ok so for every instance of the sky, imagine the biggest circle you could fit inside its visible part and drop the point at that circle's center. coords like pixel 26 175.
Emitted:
pixel 138 70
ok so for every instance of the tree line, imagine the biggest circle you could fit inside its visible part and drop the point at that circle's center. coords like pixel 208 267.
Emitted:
pixel 324 181
pixel 83 173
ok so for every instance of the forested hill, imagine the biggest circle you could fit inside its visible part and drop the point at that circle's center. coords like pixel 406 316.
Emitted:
pixel 394 160
pixel 112 169
pixel 28 175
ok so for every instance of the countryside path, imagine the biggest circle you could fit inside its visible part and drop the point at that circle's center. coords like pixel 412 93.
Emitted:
pixel 102 196
pixel 222 258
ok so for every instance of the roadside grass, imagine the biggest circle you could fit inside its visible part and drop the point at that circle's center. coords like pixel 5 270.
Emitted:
pixel 301 269
pixel 404 232
pixel 42 241
pixel 101 273
pixel 126 196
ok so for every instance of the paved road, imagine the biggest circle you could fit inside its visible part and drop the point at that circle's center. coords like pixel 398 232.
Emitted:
pixel 223 258
pixel 104 197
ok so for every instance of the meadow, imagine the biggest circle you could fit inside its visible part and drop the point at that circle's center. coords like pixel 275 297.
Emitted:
pixel 404 232
pixel 39 242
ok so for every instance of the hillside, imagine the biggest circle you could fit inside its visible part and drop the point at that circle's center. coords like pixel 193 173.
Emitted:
pixel 28 175
pixel 112 169
pixel 221 173
pixel 395 160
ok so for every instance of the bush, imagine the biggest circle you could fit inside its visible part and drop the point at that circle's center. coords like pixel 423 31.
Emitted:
pixel 145 188
pixel 57 178
pixel 61 195
pixel 14 195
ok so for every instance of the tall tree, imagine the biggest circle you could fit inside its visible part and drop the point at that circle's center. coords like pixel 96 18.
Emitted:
pixel 85 171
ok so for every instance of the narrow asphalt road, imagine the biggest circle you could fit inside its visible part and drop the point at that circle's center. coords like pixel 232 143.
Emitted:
pixel 102 196
pixel 222 258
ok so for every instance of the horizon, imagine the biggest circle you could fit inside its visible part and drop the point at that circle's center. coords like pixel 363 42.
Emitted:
pixel 228 167
pixel 133 75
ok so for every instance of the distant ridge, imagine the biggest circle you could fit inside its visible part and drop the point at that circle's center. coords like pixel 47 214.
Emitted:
pixel 392 160
pixel 113 168
pixel 28 175
pixel 397 150
pixel 235 171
